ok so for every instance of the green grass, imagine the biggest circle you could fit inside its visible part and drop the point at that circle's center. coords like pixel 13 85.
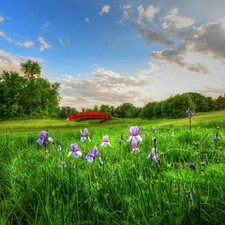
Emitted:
pixel 128 189
pixel 18 125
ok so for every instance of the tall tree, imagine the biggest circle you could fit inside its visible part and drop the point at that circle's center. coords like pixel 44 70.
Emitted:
pixel 11 92
pixel 30 69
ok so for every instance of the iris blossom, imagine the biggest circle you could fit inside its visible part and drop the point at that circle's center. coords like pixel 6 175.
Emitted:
pixel 75 150
pixel 153 155
pixel 135 135
pixel 135 147
pixel 105 141
pixel 120 141
pixel 63 164
pixel 154 129
pixel 59 148
pixel 215 138
pixel 190 113
pixel 84 135
pixel 192 166
pixel 92 155
pixel 44 138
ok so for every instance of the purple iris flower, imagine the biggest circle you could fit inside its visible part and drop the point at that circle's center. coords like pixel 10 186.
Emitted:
pixel 192 166
pixel 153 155
pixel 189 113
pixel 63 164
pixel 216 138
pixel 44 138
pixel 75 150
pixel 154 129
pixel 135 147
pixel 92 155
pixel 120 141
pixel 84 135
pixel 154 158
pixel 59 148
pixel 105 141
pixel 40 141
pixel 154 151
pixel 134 131
pixel 135 134
pixel 44 134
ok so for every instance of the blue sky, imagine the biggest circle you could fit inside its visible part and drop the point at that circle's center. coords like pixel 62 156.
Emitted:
pixel 111 52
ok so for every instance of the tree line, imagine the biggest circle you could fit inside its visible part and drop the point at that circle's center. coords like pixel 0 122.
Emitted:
pixel 172 107
pixel 30 96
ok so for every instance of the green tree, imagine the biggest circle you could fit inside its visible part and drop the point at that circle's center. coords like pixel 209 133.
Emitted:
pixel 96 109
pixel 220 102
pixel 66 110
pixel 148 111
pixel 30 69
pixel 202 103
pixel 104 108
pixel 127 110
pixel 11 94
pixel 175 107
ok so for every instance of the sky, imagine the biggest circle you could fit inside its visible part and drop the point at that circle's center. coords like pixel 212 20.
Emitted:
pixel 118 51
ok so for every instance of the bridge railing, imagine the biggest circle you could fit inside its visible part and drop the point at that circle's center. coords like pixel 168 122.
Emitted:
pixel 88 115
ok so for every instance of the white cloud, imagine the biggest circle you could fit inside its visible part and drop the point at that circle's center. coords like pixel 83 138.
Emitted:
pixel 45 25
pixel 1 19
pixel 127 6
pixel 170 79
pixel 126 15
pixel 64 42
pixel 2 34
pixel 105 9
pixel 172 19
pixel 44 44
pixel 26 44
pixel 11 62
pixel 101 87
pixel 208 39
pixel 87 20
pixel 149 13
pixel 153 36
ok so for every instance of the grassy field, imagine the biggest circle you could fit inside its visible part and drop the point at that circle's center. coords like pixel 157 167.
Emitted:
pixel 185 186
pixel 18 125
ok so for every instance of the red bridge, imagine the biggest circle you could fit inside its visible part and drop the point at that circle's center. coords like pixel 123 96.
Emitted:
pixel 88 115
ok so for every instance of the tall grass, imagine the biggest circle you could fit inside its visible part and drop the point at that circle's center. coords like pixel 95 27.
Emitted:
pixel 127 189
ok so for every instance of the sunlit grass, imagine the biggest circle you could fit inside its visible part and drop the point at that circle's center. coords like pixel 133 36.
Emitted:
pixel 127 188
pixel 18 125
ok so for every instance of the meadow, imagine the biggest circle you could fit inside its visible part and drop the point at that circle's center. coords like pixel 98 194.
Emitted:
pixel 185 186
